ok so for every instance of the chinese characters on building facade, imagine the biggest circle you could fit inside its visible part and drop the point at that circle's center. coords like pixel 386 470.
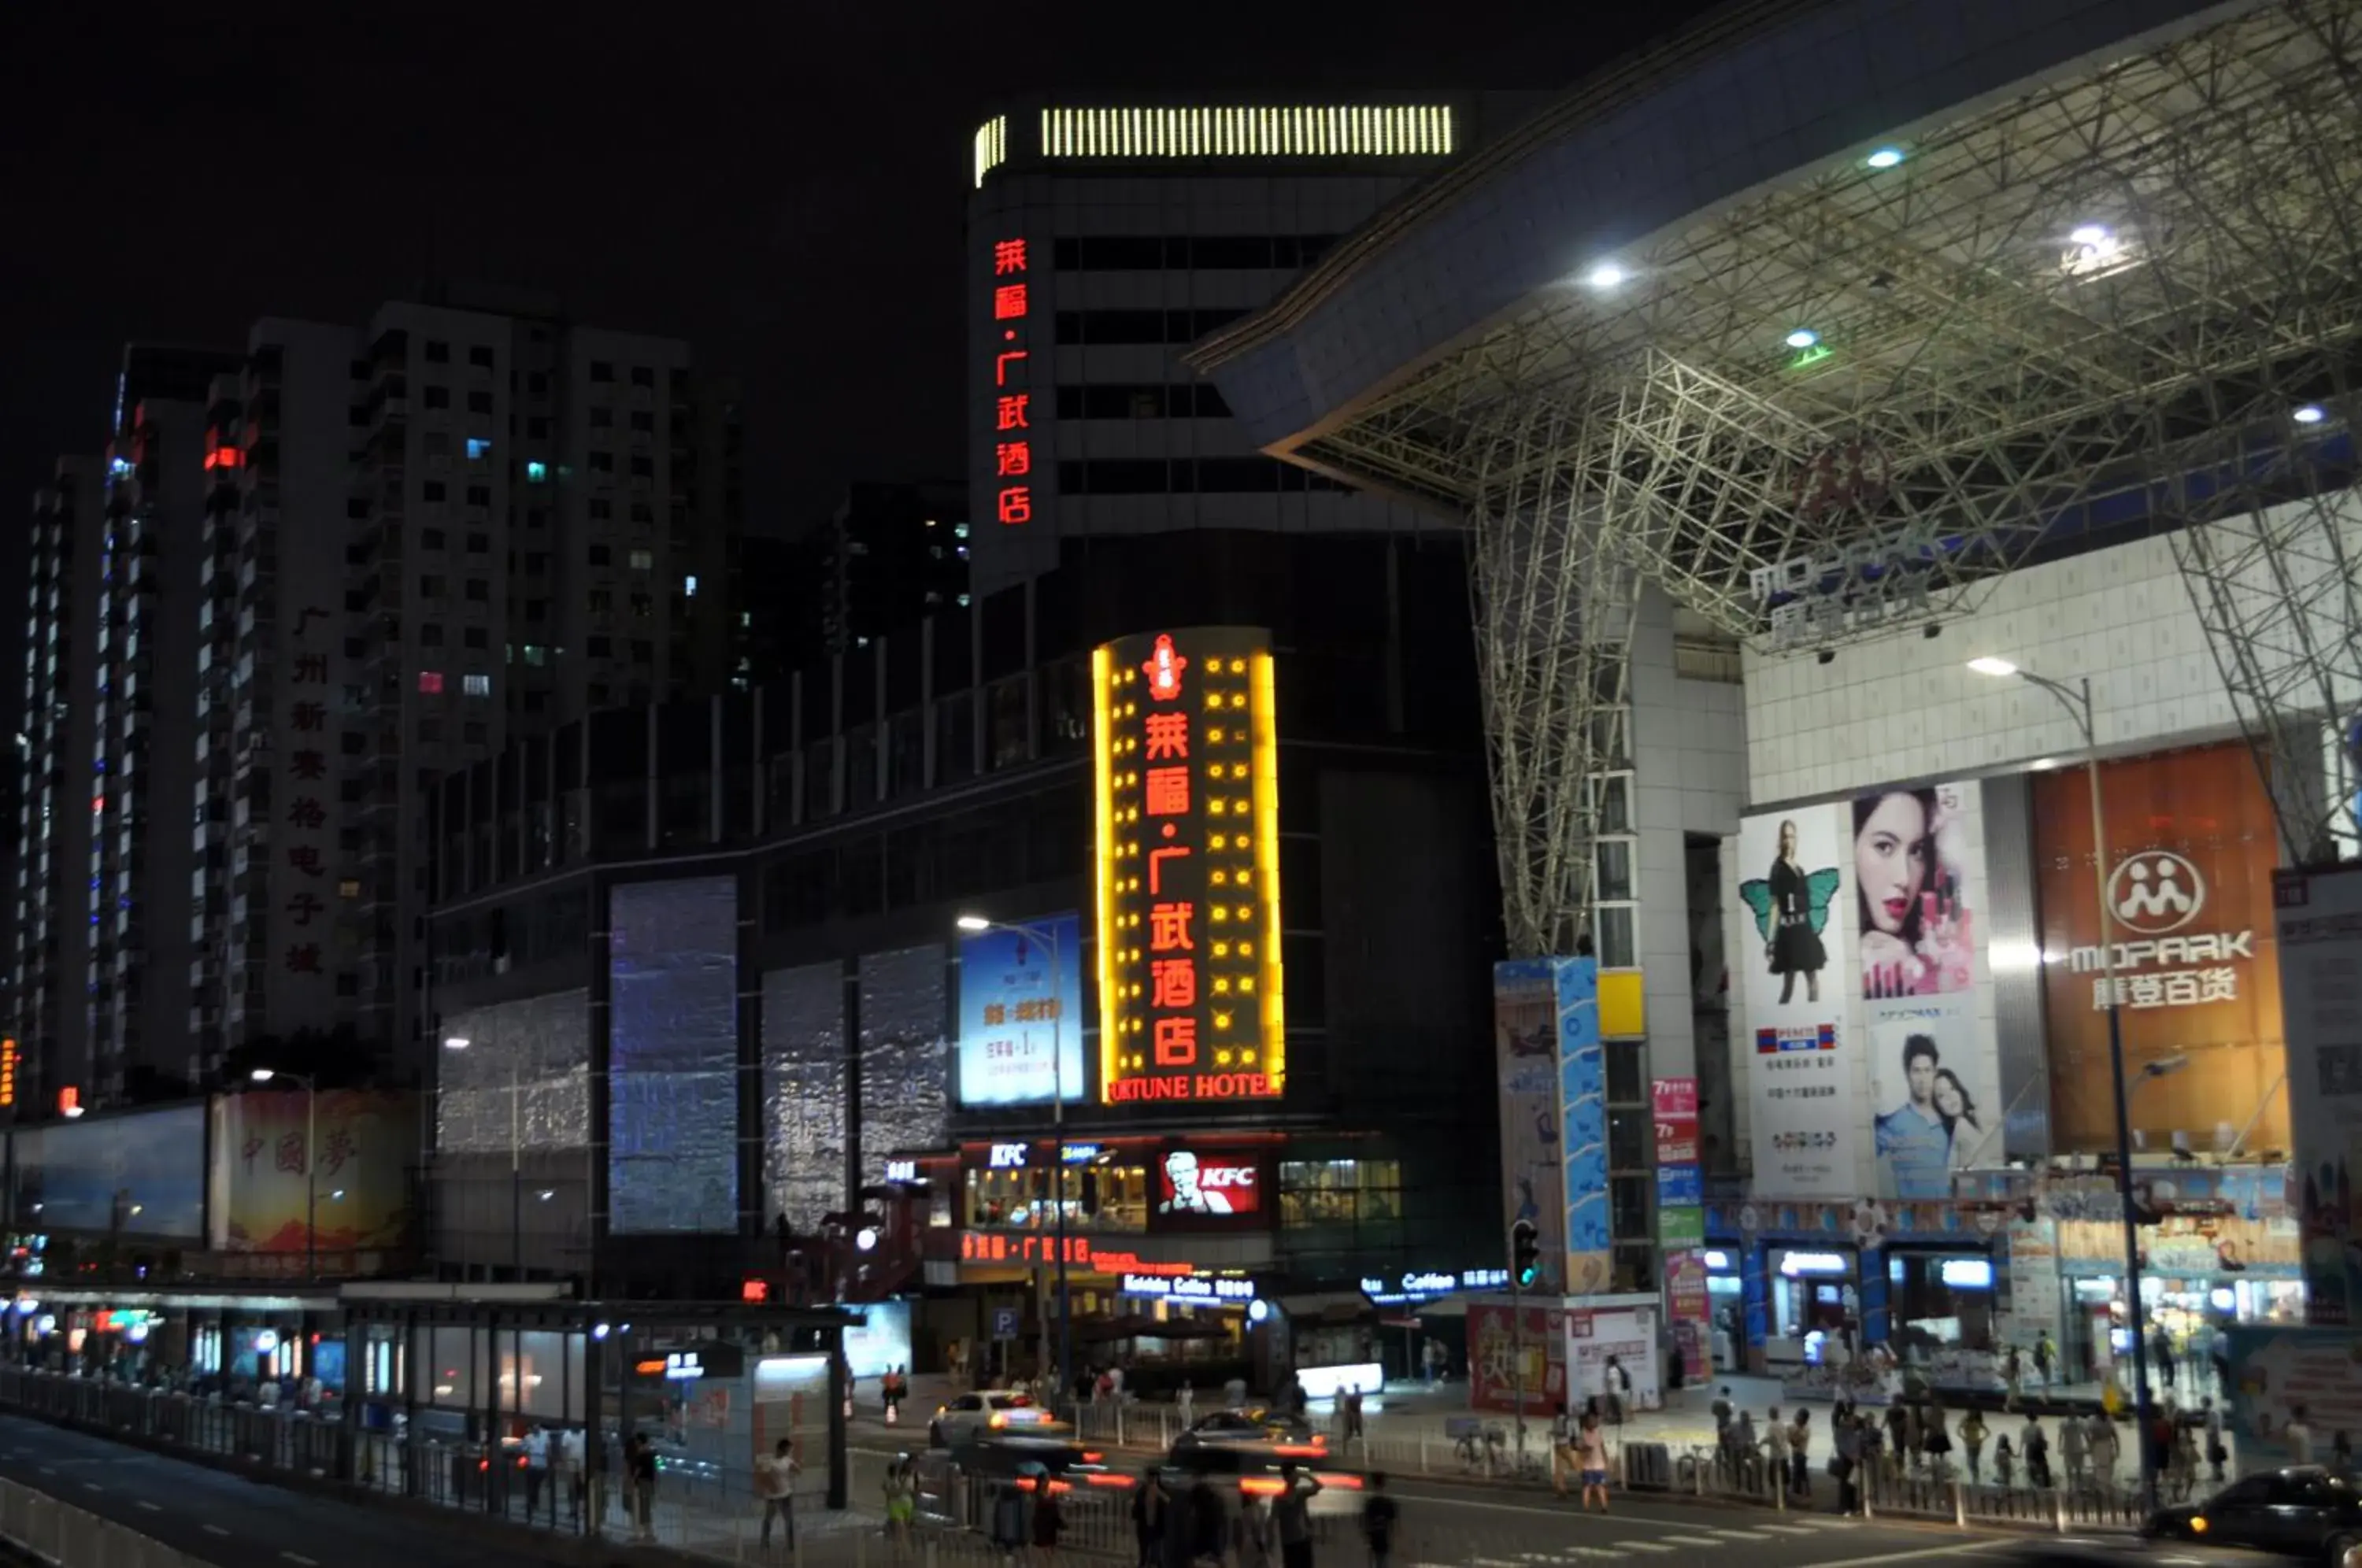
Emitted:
pixel 1012 398
pixel 1188 862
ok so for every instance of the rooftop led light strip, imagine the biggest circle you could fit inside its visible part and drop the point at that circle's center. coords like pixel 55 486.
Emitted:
pixel 991 147
pixel 1301 130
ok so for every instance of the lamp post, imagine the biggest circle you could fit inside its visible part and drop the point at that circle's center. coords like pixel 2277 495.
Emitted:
pixel 1048 937
pixel 310 1163
pixel 2077 700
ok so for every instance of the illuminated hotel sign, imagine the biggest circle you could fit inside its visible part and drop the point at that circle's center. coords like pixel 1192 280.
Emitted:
pixel 1188 862
pixel 8 1071
pixel 1012 403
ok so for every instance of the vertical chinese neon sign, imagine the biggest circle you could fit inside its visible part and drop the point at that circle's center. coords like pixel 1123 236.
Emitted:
pixel 1012 399
pixel 1187 860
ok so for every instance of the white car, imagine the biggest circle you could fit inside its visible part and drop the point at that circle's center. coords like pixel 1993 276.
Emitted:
pixel 967 1417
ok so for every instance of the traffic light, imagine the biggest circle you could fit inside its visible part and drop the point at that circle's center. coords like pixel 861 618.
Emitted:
pixel 1524 1253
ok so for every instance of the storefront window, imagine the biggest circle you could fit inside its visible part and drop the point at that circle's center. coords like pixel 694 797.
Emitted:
pixel 1939 1299
pixel 1813 1296
pixel 1340 1192
pixel 1102 1198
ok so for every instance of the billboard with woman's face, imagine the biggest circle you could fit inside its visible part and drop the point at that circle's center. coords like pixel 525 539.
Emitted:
pixel 1910 856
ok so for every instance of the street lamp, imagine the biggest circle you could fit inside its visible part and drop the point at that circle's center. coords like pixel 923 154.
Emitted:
pixel 310 1163
pixel 1048 937
pixel 2077 700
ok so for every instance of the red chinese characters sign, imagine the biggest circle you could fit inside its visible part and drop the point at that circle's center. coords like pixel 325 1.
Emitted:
pixel 1188 863
pixel 1676 1104
pixel 1011 306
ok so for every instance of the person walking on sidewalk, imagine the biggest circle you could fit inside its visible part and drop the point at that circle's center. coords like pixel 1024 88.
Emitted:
pixel 1561 1449
pixel 1149 1512
pixel 1378 1518
pixel 640 1475
pixel 775 1475
pixel 1291 1515
pixel 2215 1452
pixel 1185 1403
pixel 2046 1355
pixel 1845 1463
pixel 2038 1456
pixel 2105 1449
pixel 1775 1449
pixel 1800 1457
pixel 1973 1439
pixel 1591 1453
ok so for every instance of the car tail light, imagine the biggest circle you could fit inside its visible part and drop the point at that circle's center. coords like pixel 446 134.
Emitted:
pixel 1262 1486
pixel 1109 1480
pixel 998 1421
pixel 1300 1450
pixel 1342 1483
pixel 1091 1458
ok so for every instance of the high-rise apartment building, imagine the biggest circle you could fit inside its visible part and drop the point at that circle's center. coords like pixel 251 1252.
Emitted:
pixel 893 555
pixel 1102 241
pixel 331 569
pixel 53 893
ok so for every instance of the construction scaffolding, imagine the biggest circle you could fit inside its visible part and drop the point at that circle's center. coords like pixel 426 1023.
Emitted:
pixel 2110 306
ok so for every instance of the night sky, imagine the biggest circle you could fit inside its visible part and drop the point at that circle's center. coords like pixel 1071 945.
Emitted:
pixel 782 185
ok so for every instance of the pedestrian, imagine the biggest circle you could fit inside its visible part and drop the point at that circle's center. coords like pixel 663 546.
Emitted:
pixel 1591 1453
pixel 1209 1526
pixel 1149 1509
pixel 1049 1522
pixel 1742 1448
pixel 2005 1462
pixel 2341 1451
pixel 1973 1439
pixel 1722 1417
pixel 571 1447
pixel 1257 1544
pixel 2046 1355
pixel 1938 1439
pixel 1291 1517
pixel 2038 1456
pixel 2216 1455
pixel 640 1474
pixel 775 1474
pixel 1619 1385
pixel 1676 1369
pixel 1899 1445
pixel 901 1493
pixel 2105 1451
pixel 1561 1449
pixel 1800 1457
pixel 1354 1431
pixel 2075 1442
pixel 1846 1461
pixel 2013 1376
pixel 1185 1401
pixel 1775 1449
pixel 2161 1348
pixel 535 1446
pixel 1378 1517
pixel 2298 1436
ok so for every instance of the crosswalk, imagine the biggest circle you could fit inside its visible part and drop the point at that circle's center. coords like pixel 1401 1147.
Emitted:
pixel 1703 1538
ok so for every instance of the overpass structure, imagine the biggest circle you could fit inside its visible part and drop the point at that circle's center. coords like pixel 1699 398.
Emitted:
pixel 1826 314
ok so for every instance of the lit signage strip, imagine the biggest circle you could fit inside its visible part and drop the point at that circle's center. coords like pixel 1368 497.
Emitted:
pixel 1186 768
pixel 1012 404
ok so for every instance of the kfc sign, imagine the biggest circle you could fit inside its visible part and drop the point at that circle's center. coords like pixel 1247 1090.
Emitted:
pixel 1188 1183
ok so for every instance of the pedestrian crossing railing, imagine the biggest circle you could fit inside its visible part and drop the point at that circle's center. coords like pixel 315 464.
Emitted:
pixel 42 1528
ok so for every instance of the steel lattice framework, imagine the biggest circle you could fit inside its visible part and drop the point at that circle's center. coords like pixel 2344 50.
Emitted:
pixel 2090 309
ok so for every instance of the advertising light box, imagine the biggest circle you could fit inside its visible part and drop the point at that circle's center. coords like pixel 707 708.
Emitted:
pixel 1187 861
pixel 1020 998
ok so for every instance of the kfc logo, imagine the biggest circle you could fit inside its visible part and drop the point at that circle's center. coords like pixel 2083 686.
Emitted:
pixel 1211 1185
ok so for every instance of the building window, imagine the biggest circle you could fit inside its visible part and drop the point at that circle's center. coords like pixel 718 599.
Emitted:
pixel 478 449
pixel 435 397
pixel 600 554
pixel 437 352
pixel 536 474
pixel 479 591
pixel 644 468
pixel 644 422
pixel 430 635
pixel 601 370
pixel 601 418
pixel 430 729
pixel 536 655
pixel 643 651
pixel 473 734
pixel 350 888
pixel 642 513
pixel 430 538
pixel 430 682
pixel 688 585
pixel 600 647
pixel 477 685
pixel 479 402
pixel 479 544
pixel 432 490
pixel 643 561
pixel 480 495
pixel 642 376
pixel 602 463
pixel 475 637
pixel 430 587
pixel 480 356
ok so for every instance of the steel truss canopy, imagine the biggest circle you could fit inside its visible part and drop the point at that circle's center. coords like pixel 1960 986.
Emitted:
pixel 2111 286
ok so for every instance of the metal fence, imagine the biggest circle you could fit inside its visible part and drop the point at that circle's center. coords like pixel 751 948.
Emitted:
pixel 55 1532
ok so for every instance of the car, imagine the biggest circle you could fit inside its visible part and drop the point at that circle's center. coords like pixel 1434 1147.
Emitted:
pixel 1289 1436
pixel 1259 1472
pixel 2303 1511
pixel 967 1417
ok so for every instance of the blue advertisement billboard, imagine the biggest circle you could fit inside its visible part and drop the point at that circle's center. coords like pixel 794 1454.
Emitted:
pixel 143 1173
pixel 1021 1012
pixel 1582 1123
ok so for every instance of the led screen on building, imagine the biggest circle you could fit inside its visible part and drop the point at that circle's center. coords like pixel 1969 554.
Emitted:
pixel 1188 865
pixel 1021 995
pixel 672 1056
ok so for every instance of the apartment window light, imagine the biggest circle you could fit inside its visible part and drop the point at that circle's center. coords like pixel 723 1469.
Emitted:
pixel 536 474
pixel 430 682
pixel 688 585
pixel 478 449
pixel 477 685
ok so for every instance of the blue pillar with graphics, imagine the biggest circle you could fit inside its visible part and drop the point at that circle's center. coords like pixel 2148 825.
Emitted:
pixel 1583 1125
